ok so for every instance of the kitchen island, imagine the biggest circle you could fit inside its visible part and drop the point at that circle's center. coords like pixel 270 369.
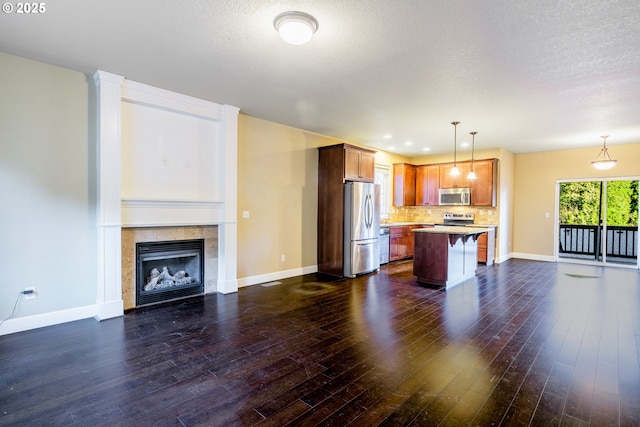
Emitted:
pixel 445 256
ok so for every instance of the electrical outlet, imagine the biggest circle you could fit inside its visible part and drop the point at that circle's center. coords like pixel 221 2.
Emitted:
pixel 29 293
pixel 282 257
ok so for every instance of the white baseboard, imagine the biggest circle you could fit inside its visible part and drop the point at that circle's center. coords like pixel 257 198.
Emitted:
pixel 503 258
pixel 264 278
pixel 533 257
pixel 109 310
pixel 26 323
pixel 226 287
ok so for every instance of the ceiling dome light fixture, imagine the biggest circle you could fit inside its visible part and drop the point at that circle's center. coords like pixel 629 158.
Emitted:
pixel 603 161
pixel 295 27
pixel 472 174
pixel 455 171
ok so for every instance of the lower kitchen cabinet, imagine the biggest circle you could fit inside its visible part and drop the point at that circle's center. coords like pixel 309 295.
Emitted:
pixel 401 241
pixel 487 247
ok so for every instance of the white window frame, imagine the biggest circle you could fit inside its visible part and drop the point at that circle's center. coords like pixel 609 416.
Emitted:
pixel 382 177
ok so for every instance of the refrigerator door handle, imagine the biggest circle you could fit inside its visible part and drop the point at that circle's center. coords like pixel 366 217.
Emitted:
pixel 368 211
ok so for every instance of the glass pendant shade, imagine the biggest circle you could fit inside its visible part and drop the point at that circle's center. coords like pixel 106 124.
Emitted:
pixel 603 164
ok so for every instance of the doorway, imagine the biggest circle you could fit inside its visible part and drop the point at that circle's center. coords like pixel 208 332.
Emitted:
pixel 598 221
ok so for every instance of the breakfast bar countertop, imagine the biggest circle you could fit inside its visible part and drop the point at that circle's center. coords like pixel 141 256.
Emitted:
pixel 452 230
pixel 405 224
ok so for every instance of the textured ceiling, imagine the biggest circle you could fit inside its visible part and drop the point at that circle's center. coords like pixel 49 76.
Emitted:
pixel 526 75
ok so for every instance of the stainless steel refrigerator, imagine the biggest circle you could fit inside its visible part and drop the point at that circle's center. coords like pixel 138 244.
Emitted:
pixel 361 228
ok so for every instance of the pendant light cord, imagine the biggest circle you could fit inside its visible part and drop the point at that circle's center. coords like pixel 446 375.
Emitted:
pixel 455 143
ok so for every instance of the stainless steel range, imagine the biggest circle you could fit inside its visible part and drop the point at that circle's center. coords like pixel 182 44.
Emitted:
pixel 460 219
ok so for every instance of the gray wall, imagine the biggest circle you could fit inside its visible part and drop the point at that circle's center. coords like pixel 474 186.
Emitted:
pixel 47 218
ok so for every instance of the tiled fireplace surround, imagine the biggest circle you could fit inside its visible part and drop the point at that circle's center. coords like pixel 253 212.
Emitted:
pixel 131 236
pixel 198 203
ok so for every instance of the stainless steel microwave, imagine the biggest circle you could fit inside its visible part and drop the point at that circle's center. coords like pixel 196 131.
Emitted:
pixel 454 196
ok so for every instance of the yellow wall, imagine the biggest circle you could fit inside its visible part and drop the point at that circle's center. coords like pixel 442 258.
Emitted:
pixel 535 186
pixel 277 185
pixel 490 153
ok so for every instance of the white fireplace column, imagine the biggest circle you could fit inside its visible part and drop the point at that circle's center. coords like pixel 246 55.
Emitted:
pixel 109 297
pixel 207 126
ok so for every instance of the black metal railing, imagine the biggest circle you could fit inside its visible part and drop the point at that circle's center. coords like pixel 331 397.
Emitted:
pixel 622 241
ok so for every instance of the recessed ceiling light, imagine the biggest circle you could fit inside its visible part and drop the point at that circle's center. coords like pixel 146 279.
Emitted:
pixel 387 136
pixel 464 144
pixel 408 143
pixel 426 149
pixel 391 148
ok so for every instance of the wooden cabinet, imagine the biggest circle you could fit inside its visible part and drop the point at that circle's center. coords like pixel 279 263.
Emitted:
pixel 427 185
pixel 336 164
pixel 404 184
pixel 400 243
pixel 449 181
pixel 401 240
pixel 359 164
pixel 487 247
pixel 418 185
pixel 484 187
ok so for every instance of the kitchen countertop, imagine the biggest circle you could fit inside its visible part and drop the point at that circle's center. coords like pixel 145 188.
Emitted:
pixel 404 224
pixel 414 223
pixel 452 230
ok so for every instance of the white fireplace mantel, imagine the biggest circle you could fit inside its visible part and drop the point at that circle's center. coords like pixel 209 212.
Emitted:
pixel 213 202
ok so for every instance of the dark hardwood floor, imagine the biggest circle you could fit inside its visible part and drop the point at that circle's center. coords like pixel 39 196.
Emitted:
pixel 527 343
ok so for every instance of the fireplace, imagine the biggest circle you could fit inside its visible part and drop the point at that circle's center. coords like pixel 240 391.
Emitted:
pixel 169 270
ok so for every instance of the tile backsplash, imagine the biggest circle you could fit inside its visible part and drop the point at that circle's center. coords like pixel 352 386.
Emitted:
pixel 433 214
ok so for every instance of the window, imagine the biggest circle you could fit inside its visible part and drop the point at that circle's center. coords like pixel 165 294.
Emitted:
pixel 382 178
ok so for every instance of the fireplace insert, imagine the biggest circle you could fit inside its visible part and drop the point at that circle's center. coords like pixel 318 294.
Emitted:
pixel 169 270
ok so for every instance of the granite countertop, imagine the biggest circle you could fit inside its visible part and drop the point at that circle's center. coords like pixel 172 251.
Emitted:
pixel 410 223
pixel 452 230
pixel 404 224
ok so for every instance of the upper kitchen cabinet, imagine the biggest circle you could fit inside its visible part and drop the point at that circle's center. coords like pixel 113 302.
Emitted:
pixel 427 185
pixel 449 181
pixel 404 184
pixel 484 187
pixel 359 164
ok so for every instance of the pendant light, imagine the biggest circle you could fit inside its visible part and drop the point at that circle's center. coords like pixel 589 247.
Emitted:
pixel 455 171
pixel 605 162
pixel 295 27
pixel 472 174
